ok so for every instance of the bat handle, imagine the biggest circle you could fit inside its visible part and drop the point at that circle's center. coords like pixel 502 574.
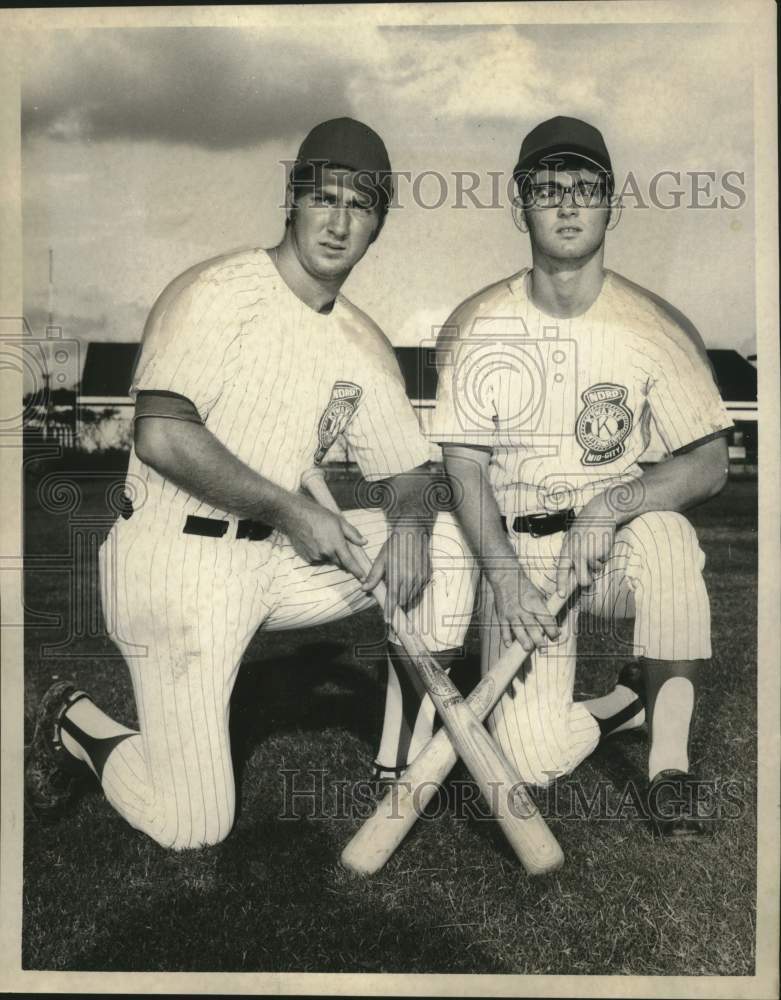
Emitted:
pixel 314 481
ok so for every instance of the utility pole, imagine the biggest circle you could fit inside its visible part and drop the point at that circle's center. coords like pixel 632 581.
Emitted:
pixel 51 287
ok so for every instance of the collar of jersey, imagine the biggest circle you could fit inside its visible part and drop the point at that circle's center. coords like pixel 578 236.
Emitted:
pixel 280 281
pixel 518 285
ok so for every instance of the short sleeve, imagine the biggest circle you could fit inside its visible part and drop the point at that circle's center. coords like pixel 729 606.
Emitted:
pixel 384 435
pixel 187 344
pixel 683 396
pixel 467 407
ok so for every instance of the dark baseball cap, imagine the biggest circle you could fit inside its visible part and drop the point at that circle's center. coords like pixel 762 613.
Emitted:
pixel 562 135
pixel 345 142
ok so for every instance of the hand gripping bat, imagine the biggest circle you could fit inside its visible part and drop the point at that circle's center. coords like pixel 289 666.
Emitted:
pixel 395 815
pixel 518 817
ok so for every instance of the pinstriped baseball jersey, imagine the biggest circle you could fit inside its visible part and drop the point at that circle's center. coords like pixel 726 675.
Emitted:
pixel 654 576
pixel 183 609
pixel 276 383
pixel 566 404
pixel 273 380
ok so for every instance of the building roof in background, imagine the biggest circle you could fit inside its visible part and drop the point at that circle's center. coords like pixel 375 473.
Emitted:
pixel 419 368
pixel 109 366
pixel 736 377
pixel 108 369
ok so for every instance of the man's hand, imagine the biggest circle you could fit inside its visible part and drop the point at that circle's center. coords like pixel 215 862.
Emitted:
pixel 319 536
pixel 521 610
pixel 586 547
pixel 404 562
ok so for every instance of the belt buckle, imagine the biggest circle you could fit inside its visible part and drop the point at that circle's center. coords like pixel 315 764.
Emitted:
pixel 253 531
pixel 536 519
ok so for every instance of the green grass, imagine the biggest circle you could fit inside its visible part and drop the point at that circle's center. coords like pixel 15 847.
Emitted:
pixel 272 897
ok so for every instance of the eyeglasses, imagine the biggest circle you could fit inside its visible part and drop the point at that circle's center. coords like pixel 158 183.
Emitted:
pixel 550 194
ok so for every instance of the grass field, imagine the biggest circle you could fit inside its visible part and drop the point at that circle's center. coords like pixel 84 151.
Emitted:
pixel 100 896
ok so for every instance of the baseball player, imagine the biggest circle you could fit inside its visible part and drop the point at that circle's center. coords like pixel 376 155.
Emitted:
pixel 252 364
pixel 548 383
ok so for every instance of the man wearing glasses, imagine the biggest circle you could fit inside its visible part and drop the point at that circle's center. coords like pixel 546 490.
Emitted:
pixel 548 383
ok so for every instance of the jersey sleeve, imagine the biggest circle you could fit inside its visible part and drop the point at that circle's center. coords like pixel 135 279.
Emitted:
pixel 467 406
pixel 683 397
pixel 189 345
pixel 384 435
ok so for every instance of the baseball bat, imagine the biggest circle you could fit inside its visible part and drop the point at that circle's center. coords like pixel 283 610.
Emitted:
pixel 519 819
pixel 396 813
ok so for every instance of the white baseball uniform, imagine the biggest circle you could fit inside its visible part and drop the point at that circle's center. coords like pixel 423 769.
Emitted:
pixel 276 383
pixel 565 406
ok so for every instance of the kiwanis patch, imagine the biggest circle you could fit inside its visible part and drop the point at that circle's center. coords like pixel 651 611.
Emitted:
pixel 604 424
pixel 343 403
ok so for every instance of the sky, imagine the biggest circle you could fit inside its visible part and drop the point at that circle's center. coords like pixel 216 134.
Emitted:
pixel 146 150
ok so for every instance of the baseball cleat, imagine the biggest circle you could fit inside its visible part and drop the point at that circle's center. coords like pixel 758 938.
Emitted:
pixel 673 806
pixel 51 773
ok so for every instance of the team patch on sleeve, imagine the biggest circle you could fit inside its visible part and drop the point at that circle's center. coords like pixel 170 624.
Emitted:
pixel 341 407
pixel 604 423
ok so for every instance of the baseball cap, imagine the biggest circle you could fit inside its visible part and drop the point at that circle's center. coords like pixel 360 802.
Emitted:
pixel 345 142
pixel 562 135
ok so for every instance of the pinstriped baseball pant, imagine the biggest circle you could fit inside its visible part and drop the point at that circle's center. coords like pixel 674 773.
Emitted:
pixel 183 610
pixel 654 575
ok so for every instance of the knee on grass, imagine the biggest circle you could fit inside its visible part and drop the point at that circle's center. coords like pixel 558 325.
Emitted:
pixel 538 774
pixel 183 833
pixel 176 842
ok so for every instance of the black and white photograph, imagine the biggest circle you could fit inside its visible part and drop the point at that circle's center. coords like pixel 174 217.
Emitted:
pixel 384 499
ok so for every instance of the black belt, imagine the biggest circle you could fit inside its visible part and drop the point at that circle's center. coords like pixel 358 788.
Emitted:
pixel 538 525
pixel 212 527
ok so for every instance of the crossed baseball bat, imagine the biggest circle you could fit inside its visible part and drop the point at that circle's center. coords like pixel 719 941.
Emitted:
pixel 463 735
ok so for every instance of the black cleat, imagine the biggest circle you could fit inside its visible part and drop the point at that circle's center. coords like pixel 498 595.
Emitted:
pixel 52 774
pixel 674 806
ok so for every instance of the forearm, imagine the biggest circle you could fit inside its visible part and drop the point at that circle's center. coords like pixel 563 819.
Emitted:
pixel 519 607
pixel 477 511
pixel 191 457
pixel 677 484
pixel 404 562
pixel 409 500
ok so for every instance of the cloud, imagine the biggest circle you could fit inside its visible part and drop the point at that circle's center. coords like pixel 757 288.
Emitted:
pixel 477 75
pixel 216 88
pixel 422 327
pixel 150 149
pixel 83 318
pixel 680 91
pixel 651 86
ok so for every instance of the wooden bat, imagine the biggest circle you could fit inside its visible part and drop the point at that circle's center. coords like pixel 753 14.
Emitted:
pixel 518 817
pixel 403 803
